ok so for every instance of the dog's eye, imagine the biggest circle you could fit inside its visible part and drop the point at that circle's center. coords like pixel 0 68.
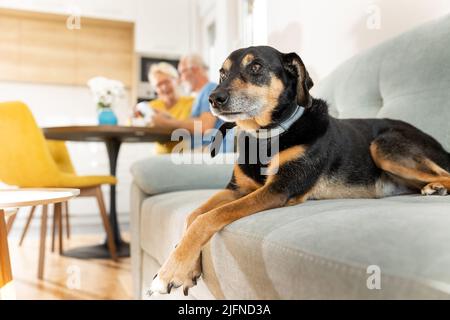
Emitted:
pixel 255 68
pixel 222 76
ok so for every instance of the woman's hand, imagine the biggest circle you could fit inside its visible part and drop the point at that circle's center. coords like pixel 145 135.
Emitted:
pixel 162 119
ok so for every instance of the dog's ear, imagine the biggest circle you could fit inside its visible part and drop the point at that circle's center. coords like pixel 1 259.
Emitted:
pixel 295 67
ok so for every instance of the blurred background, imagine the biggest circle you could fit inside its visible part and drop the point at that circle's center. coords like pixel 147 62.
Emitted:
pixel 50 48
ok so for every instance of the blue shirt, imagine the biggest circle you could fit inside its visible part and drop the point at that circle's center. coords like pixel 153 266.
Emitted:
pixel 201 102
pixel 201 105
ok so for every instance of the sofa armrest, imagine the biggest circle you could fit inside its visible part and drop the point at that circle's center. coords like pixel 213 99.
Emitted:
pixel 166 173
pixel 136 199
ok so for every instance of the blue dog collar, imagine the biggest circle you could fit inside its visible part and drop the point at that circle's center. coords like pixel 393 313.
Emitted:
pixel 280 127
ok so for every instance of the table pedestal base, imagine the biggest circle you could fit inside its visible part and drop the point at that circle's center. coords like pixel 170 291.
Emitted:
pixel 97 252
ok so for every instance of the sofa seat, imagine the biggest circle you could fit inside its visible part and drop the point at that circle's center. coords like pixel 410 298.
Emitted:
pixel 319 249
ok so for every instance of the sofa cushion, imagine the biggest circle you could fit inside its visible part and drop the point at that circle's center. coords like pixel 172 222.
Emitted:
pixel 320 249
pixel 406 78
pixel 167 173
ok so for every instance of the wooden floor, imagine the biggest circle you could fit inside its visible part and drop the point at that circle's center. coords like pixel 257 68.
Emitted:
pixel 68 278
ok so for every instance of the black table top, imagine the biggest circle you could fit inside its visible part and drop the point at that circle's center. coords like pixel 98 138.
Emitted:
pixel 104 133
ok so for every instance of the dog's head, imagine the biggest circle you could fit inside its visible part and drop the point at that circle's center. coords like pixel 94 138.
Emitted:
pixel 256 83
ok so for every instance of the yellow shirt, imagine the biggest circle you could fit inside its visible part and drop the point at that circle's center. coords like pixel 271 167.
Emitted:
pixel 180 111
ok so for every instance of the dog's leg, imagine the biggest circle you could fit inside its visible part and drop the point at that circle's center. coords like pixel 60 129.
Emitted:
pixel 242 185
pixel 415 169
pixel 220 198
pixel 178 269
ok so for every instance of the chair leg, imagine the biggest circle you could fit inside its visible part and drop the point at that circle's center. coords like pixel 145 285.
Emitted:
pixel 106 225
pixel 10 222
pixel 54 224
pixel 27 225
pixel 59 220
pixel 66 210
pixel 42 242
pixel 5 263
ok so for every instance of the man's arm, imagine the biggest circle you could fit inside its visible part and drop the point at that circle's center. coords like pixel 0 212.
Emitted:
pixel 169 124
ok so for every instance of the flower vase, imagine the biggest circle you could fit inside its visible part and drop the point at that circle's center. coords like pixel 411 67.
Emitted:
pixel 107 117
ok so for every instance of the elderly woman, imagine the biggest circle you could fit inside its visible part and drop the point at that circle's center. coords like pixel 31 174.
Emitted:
pixel 170 106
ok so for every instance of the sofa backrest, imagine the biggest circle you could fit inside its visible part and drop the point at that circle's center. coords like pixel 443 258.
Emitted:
pixel 406 78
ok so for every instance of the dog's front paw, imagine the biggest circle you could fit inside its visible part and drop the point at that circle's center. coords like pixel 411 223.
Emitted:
pixel 176 273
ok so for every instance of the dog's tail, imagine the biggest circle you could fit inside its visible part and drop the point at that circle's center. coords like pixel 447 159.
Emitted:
pixel 217 140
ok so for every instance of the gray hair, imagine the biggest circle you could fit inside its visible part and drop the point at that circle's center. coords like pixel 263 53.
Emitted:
pixel 195 60
pixel 162 67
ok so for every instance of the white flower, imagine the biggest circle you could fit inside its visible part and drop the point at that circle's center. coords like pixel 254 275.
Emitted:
pixel 106 91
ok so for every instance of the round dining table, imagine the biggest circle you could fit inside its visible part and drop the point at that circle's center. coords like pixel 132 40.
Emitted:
pixel 113 137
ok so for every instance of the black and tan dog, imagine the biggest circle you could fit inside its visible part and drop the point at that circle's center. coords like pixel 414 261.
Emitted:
pixel 319 157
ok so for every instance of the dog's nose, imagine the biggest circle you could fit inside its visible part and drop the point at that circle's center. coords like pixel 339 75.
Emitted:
pixel 219 98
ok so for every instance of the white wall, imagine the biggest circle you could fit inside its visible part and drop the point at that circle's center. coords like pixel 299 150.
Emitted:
pixel 107 9
pixel 327 32
pixel 225 14
pixel 164 27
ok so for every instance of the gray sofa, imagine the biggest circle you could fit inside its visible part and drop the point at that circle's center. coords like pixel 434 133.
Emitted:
pixel 321 249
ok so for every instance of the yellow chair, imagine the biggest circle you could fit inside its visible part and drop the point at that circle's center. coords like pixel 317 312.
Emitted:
pixel 26 161
pixel 60 155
